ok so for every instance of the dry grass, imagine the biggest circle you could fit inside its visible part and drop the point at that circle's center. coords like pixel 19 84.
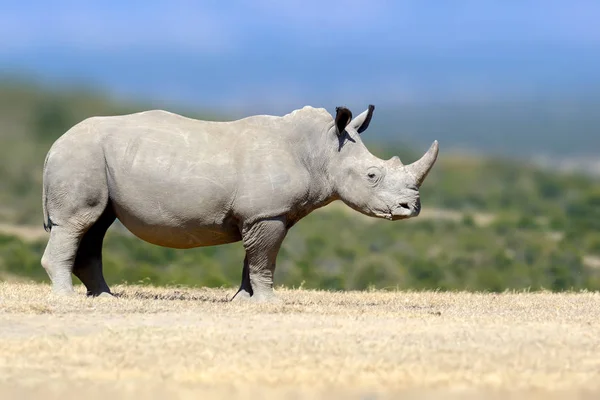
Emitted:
pixel 190 343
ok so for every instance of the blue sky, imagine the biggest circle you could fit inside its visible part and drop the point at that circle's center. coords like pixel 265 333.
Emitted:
pixel 267 55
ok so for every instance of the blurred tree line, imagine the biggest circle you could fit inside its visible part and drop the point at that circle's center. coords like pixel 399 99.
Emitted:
pixel 494 224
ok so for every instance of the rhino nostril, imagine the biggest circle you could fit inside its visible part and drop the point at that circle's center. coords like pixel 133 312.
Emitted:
pixel 404 205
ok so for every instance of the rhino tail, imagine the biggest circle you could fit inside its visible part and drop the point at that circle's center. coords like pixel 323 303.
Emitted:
pixel 47 221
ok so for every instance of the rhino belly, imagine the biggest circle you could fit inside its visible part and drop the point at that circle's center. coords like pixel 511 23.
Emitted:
pixel 170 189
pixel 172 213
pixel 176 233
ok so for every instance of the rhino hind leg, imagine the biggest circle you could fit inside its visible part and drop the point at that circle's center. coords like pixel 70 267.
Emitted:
pixel 262 241
pixel 76 248
pixel 75 201
pixel 88 262
pixel 58 259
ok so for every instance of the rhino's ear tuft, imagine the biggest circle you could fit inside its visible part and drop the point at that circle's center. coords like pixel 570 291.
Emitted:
pixel 343 117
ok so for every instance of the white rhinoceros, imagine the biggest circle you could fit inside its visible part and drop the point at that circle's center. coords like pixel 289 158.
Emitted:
pixel 182 183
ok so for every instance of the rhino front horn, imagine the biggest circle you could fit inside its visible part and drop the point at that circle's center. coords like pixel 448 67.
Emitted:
pixel 420 168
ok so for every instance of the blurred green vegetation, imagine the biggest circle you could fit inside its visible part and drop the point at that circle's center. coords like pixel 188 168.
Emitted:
pixel 488 223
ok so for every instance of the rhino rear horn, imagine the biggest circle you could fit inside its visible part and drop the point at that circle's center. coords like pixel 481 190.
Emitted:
pixel 343 117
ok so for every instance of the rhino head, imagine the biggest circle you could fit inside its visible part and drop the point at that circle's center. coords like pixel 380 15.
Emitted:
pixel 375 187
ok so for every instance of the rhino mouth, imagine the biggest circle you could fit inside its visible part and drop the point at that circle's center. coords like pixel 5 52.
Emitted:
pixel 401 210
pixel 404 210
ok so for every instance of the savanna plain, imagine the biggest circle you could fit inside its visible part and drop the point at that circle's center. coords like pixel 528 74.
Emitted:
pixel 177 342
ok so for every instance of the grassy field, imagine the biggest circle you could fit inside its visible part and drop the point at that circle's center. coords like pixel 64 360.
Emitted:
pixel 179 342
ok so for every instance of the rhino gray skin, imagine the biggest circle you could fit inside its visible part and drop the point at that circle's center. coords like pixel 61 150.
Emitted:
pixel 183 183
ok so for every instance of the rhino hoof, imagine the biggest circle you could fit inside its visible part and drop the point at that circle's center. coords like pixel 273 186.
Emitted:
pixel 268 297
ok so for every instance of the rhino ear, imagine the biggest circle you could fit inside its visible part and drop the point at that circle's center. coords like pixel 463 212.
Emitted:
pixel 343 117
pixel 362 121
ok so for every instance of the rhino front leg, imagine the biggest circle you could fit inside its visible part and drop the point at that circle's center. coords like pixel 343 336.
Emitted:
pixel 262 241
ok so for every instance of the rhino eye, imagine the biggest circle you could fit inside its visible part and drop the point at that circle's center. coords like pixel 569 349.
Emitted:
pixel 373 175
